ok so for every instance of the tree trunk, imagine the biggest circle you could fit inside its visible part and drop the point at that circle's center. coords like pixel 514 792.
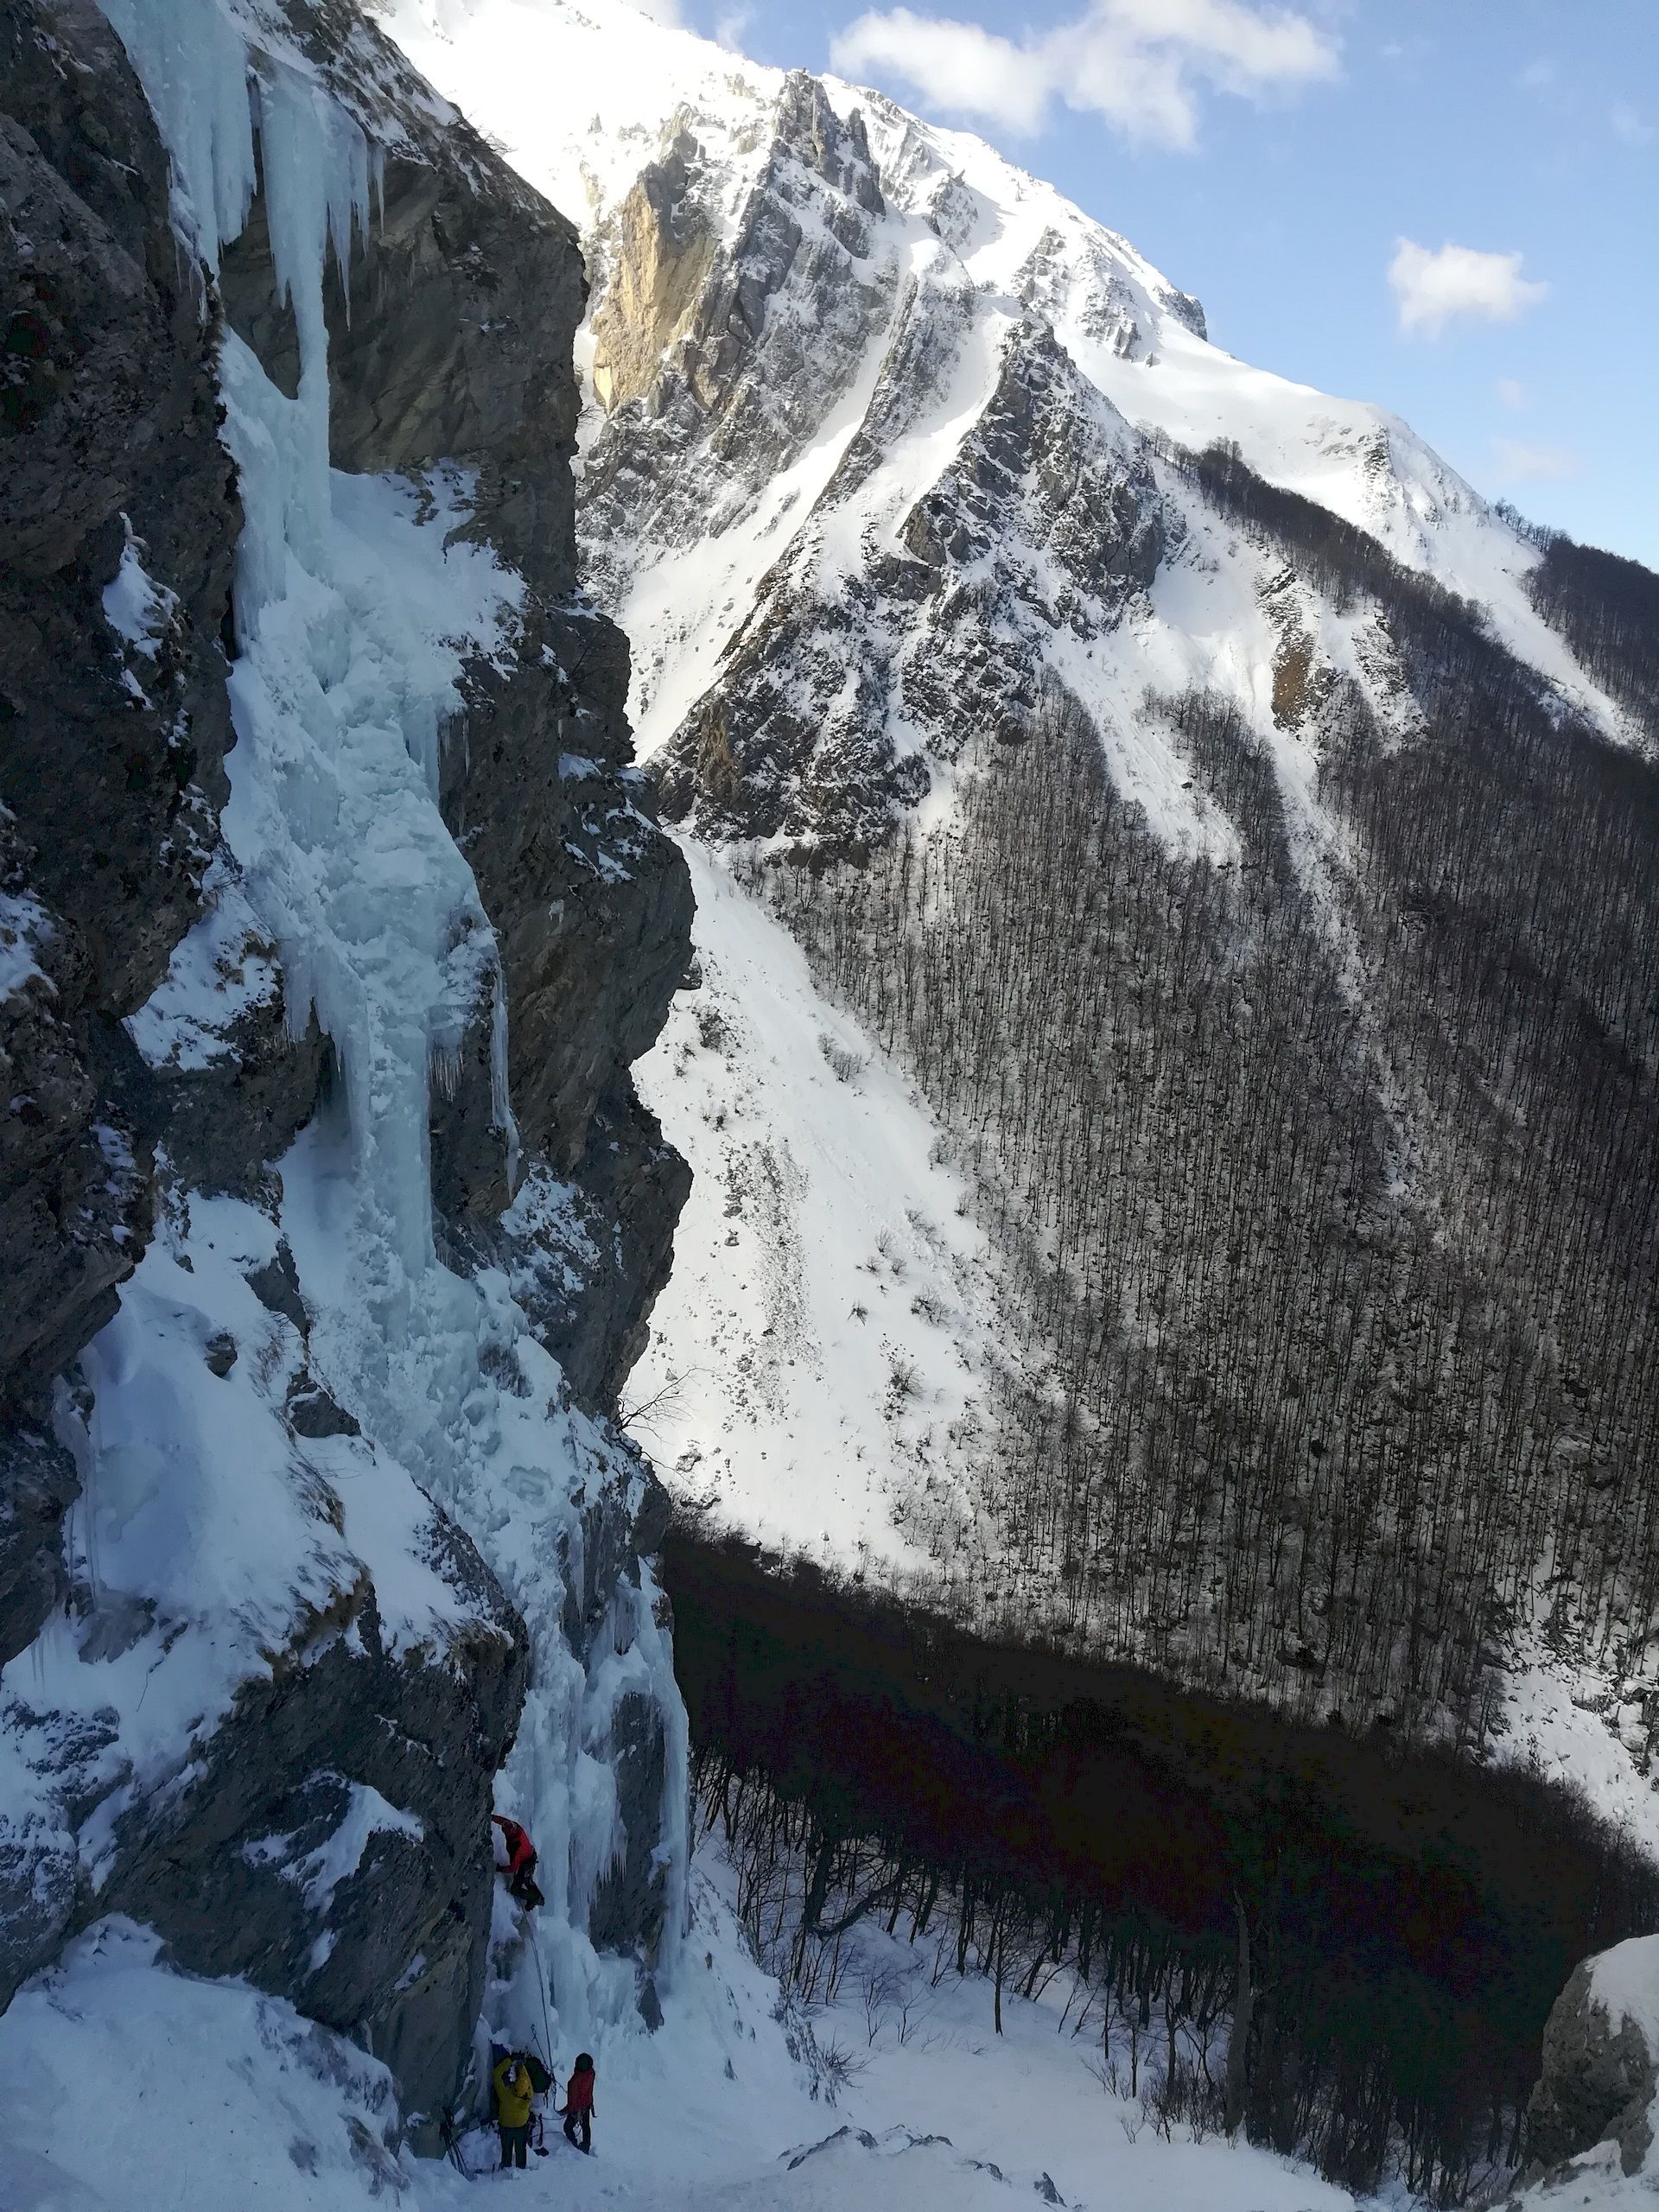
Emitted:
pixel 1238 2040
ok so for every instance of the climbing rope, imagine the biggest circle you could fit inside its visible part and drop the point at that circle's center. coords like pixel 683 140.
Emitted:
pixel 546 2056
pixel 458 2137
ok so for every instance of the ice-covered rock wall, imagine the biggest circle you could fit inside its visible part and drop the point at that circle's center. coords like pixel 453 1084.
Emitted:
pixel 334 916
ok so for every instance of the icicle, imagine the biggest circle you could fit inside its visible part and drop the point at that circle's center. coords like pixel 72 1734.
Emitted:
pixel 444 1065
pixel 192 63
pixel 677 1777
pixel 501 1111
pixel 315 161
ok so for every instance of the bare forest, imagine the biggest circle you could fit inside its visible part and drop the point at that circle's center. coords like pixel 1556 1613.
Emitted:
pixel 1344 1948
pixel 1326 1208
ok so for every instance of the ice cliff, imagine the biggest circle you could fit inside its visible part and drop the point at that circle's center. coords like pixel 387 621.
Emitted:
pixel 334 917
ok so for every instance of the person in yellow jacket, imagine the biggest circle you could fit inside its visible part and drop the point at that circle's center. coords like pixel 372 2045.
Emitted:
pixel 513 2091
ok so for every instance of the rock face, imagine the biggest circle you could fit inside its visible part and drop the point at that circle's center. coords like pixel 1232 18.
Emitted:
pixel 235 1868
pixel 315 1817
pixel 38 1483
pixel 752 362
pixel 675 290
pixel 1601 2064
pixel 1046 514
pixel 117 517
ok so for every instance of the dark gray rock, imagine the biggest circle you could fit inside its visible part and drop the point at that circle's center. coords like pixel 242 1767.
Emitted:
pixel 313 1413
pixel 220 1126
pixel 111 757
pixel 38 1485
pixel 587 1273
pixel 111 751
pixel 222 1865
pixel 221 1352
pixel 1597 2084
pixel 277 1286
pixel 73 1172
pixel 591 901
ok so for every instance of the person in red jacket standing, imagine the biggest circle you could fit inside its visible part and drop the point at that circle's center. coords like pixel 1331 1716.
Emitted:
pixel 579 2104
pixel 521 1861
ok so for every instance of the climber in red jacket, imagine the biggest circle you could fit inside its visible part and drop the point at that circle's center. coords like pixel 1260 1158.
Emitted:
pixel 520 1868
pixel 578 2107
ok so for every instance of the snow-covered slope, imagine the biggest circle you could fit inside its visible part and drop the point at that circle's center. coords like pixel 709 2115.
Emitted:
pixel 209 2093
pixel 817 1360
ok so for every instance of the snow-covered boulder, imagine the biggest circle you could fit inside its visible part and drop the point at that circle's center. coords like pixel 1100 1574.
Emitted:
pixel 1601 2059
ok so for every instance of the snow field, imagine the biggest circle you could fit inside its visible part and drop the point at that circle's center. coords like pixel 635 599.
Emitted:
pixel 1557 1722
pixel 818 1349
pixel 205 2093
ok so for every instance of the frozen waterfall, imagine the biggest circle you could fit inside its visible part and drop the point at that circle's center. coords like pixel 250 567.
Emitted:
pixel 339 697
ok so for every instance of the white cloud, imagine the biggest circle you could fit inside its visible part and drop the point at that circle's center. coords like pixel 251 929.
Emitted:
pixel 734 27
pixel 1431 287
pixel 1538 76
pixel 1535 464
pixel 1140 64
pixel 958 66
pixel 1512 393
pixel 1629 125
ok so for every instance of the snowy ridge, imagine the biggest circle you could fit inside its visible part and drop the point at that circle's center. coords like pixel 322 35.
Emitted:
pixel 955 215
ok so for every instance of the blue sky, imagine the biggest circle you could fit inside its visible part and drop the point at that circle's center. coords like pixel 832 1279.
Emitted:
pixel 1272 159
